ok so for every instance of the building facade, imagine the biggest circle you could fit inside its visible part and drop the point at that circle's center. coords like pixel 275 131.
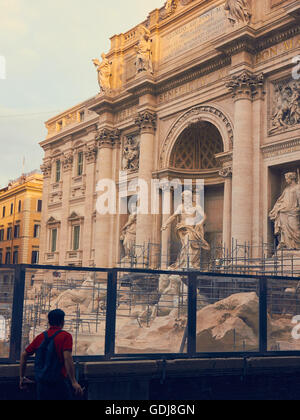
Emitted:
pixel 203 89
pixel 20 220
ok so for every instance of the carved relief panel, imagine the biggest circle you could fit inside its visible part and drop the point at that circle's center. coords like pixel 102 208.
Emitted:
pixel 284 106
pixel 131 153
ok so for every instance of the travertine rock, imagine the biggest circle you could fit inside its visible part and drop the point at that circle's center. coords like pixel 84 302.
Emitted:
pixel 229 325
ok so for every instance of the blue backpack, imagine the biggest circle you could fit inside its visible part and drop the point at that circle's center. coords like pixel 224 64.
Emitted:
pixel 47 364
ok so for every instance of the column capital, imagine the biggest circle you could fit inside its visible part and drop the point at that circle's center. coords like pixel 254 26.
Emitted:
pixel 67 161
pixel 246 85
pixel 146 121
pixel 226 172
pixel 46 169
pixel 108 138
pixel 91 152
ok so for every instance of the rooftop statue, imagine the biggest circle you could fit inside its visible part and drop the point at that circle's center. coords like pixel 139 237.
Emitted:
pixel 143 50
pixel 104 73
pixel 286 213
pixel 238 11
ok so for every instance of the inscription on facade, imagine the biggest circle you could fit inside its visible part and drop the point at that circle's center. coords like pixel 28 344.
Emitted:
pixel 278 49
pixel 200 30
pixel 192 86
pixel 125 114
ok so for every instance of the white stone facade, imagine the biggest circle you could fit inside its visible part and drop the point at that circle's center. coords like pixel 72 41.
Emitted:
pixel 228 86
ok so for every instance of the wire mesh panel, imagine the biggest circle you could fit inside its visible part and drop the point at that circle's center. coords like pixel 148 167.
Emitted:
pixel 151 313
pixel 80 294
pixel 227 314
pixel 7 280
pixel 283 315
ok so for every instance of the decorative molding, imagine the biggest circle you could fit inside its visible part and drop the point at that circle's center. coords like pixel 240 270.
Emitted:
pixel 245 85
pixel 281 148
pixel 226 172
pixel 131 153
pixel 91 152
pixel 53 222
pixel 46 169
pixel 195 115
pixel 108 138
pixel 285 106
pixel 146 121
pixel 67 161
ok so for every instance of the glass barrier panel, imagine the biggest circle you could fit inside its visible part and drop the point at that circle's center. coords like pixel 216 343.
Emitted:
pixel 151 313
pixel 80 294
pixel 283 315
pixel 7 281
pixel 227 314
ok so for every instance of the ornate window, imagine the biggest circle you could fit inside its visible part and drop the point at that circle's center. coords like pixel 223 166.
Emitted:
pixel 196 148
pixel 57 171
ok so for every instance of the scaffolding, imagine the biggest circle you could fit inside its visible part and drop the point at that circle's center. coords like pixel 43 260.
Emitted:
pixel 39 302
pixel 262 259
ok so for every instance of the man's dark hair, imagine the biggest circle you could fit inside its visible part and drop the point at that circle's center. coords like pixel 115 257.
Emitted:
pixel 56 318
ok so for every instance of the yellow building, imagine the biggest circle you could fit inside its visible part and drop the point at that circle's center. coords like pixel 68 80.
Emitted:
pixel 20 220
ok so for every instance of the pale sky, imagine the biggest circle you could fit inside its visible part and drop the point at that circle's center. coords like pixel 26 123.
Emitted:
pixel 48 46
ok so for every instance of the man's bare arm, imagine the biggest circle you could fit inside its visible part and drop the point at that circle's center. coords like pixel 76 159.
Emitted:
pixel 69 365
pixel 23 364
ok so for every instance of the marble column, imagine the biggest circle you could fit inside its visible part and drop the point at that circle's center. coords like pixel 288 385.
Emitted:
pixel 103 234
pixel 243 86
pixel 258 124
pixel 146 121
pixel 226 173
pixel 166 234
pixel 64 234
pixel 90 159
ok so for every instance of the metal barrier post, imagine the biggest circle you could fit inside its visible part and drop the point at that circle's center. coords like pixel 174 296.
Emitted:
pixel 192 313
pixel 111 312
pixel 263 315
pixel 17 314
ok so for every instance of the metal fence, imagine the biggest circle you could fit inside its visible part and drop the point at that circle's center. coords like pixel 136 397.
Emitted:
pixel 126 313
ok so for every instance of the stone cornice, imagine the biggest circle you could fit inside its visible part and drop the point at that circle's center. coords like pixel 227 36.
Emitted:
pixel 83 129
pixel 281 148
pixel 195 73
pixel 142 85
pixel 244 41
pixel 276 37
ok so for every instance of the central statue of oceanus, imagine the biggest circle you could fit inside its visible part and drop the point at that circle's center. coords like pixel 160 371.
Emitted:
pixel 190 230
pixel 286 214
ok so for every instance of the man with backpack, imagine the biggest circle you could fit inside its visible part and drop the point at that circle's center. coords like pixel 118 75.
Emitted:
pixel 53 362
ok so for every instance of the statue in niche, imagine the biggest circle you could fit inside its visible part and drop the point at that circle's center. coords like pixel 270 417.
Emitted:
pixel 238 11
pixel 128 235
pixel 104 73
pixel 143 50
pixel 286 213
pixel 131 154
pixel 286 106
pixel 190 230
